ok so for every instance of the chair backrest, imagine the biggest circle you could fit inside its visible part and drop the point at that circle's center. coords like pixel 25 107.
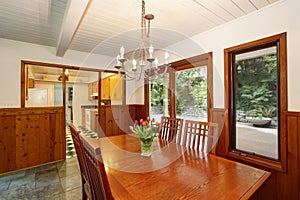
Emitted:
pixel 79 152
pixel 99 184
pixel 200 135
pixel 170 128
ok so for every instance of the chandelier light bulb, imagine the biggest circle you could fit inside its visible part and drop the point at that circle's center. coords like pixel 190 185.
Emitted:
pixel 122 51
pixel 133 64
pixel 166 57
pixel 151 49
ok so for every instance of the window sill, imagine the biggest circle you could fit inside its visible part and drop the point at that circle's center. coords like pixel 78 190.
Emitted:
pixel 256 160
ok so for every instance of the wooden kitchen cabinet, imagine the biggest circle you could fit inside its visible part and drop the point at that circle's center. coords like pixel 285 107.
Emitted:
pixel 105 89
pixel 116 87
pixel 95 87
pixel 30 83
pixel 111 88
pixel 92 89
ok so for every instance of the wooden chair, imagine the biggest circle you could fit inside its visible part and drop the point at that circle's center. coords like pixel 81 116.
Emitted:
pixel 82 163
pixel 170 129
pixel 200 135
pixel 100 187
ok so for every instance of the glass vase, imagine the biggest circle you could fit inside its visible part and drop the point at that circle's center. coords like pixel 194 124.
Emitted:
pixel 146 147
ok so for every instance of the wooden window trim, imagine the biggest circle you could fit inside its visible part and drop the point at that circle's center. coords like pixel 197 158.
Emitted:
pixel 200 60
pixel 244 157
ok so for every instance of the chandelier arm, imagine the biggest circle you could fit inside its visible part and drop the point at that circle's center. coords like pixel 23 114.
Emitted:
pixel 126 77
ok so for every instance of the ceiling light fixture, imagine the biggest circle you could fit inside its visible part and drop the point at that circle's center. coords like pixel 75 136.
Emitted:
pixel 145 68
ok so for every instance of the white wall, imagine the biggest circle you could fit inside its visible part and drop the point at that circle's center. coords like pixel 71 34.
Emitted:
pixel 281 17
pixel 80 94
pixel 12 52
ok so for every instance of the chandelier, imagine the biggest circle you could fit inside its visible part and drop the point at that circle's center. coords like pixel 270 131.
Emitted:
pixel 144 65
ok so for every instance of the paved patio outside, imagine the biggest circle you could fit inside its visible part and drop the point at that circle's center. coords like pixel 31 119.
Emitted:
pixel 262 141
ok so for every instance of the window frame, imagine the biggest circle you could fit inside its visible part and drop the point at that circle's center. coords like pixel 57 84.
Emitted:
pixel 280 39
pixel 189 63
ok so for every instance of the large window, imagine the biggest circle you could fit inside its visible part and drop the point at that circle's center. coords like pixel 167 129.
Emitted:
pixel 186 91
pixel 256 96
pixel 191 88
pixel 191 93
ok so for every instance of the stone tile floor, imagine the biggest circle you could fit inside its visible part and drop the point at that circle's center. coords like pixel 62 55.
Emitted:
pixel 53 181
pixel 59 181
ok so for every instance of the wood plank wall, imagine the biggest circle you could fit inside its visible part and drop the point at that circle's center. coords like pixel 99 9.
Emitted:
pixel 31 137
pixel 116 119
pixel 281 185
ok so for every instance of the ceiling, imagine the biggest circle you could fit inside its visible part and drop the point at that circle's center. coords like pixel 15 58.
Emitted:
pixel 102 26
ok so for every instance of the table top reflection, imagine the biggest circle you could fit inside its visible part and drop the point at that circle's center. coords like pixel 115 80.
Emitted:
pixel 173 172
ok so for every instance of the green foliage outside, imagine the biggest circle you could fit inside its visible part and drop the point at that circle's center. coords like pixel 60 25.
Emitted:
pixel 191 91
pixel 256 86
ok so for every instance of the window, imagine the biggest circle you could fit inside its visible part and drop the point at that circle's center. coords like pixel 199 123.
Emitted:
pixel 191 93
pixel 159 96
pixel 185 92
pixel 256 97
pixel 194 77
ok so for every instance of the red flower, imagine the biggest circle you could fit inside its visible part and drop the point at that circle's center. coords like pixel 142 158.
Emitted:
pixel 141 121
pixel 144 123
pixel 148 119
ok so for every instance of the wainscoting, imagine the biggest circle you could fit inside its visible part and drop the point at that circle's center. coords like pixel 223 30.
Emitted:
pixel 31 137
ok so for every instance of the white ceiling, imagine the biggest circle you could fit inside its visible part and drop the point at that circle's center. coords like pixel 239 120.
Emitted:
pixel 102 26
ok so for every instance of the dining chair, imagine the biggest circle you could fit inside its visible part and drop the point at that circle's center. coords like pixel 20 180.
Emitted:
pixel 170 129
pixel 86 194
pixel 200 135
pixel 100 188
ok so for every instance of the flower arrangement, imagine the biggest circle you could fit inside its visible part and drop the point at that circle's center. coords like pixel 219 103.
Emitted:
pixel 146 130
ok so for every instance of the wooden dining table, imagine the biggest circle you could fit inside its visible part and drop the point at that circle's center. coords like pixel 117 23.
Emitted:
pixel 173 171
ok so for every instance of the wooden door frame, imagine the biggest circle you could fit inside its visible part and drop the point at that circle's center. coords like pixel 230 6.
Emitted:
pixel 199 60
pixel 24 78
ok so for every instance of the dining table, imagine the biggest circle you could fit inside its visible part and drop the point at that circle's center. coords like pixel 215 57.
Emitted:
pixel 173 171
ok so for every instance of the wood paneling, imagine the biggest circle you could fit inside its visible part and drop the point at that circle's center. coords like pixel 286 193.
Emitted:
pixel 116 119
pixel 219 116
pixel 31 137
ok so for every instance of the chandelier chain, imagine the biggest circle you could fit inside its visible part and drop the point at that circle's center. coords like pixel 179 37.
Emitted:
pixel 148 67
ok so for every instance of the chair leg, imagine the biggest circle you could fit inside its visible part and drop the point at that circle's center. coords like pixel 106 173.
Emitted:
pixel 84 196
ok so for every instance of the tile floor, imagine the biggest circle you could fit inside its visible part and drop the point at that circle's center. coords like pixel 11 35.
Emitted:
pixel 53 181
pixel 59 181
pixel 70 149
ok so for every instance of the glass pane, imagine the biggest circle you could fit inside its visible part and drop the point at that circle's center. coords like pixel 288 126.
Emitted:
pixel 256 102
pixel 44 86
pixel 191 93
pixel 159 97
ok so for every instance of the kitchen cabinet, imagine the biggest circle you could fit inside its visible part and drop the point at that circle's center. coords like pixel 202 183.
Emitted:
pixel 111 88
pixel 92 90
pixel 105 89
pixel 116 87
pixel 30 83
